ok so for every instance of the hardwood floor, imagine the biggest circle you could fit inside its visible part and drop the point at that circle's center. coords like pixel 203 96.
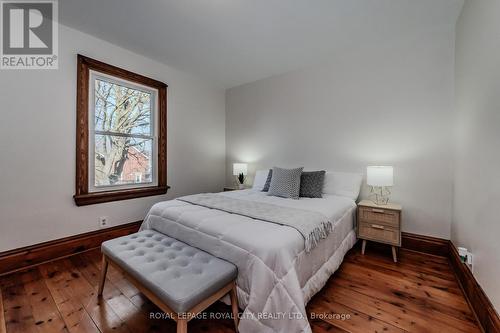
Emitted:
pixel 367 294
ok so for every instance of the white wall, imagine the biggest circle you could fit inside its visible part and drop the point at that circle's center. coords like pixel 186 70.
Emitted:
pixel 377 102
pixel 37 143
pixel 476 222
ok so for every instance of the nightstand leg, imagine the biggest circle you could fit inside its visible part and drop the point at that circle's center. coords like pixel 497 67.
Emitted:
pixel 363 246
pixel 394 255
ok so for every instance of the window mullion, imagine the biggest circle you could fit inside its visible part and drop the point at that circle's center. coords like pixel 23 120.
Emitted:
pixel 124 135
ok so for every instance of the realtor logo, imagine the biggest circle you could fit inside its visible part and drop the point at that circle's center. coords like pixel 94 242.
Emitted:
pixel 29 34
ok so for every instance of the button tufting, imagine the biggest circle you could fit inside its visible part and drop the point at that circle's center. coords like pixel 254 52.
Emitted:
pixel 167 263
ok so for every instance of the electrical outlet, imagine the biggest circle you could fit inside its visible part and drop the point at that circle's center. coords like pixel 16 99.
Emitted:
pixel 470 261
pixel 103 222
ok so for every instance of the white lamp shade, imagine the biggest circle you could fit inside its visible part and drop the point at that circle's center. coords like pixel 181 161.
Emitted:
pixel 379 176
pixel 240 168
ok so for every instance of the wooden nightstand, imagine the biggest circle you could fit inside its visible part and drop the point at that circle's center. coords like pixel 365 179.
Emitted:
pixel 379 224
pixel 227 188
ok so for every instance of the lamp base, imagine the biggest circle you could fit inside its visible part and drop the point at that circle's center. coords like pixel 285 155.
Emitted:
pixel 379 195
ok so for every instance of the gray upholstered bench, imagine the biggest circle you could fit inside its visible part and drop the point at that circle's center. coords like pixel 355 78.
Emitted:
pixel 180 279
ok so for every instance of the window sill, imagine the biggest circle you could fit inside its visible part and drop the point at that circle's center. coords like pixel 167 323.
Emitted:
pixel 108 196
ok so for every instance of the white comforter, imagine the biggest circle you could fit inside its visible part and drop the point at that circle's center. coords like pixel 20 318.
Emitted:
pixel 276 277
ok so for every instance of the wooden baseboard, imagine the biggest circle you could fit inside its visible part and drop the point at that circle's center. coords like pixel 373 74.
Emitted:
pixel 484 310
pixel 3 328
pixel 419 243
pixel 425 244
pixel 25 257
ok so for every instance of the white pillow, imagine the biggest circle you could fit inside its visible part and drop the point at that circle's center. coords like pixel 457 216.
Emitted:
pixel 260 179
pixel 344 184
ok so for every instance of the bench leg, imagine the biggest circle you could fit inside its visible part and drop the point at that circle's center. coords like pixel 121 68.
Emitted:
pixel 234 305
pixel 104 270
pixel 182 326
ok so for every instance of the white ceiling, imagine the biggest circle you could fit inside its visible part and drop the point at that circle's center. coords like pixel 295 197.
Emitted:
pixel 238 41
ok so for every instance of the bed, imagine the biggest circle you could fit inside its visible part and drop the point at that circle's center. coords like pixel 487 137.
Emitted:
pixel 276 275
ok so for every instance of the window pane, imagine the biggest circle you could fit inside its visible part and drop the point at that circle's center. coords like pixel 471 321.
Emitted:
pixel 122 160
pixel 121 109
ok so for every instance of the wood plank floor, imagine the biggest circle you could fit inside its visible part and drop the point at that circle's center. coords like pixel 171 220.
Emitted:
pixel 367 294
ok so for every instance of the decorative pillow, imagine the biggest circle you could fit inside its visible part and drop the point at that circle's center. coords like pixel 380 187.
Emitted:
pixel 268 181
pixel 285 183
pixel 311 184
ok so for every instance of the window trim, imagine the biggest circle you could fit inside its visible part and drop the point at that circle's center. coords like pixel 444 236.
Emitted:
pixel 82 195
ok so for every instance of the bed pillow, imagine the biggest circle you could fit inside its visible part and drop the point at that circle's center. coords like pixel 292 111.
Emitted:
pixel 344 184
pixel 311 184
pixel 285 183
pixel 260 179
pixel 268 181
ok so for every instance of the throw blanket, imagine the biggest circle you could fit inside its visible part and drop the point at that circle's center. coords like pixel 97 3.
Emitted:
pixel 313 226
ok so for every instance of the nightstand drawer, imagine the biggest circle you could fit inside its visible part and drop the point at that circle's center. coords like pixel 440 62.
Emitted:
pixel 379 215
pixel 379 233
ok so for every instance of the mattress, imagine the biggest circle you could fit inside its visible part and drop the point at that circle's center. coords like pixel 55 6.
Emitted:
pixel 275 273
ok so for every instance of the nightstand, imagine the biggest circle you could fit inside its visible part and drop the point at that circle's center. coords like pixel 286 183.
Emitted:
pixel 380 224
pixel 227 188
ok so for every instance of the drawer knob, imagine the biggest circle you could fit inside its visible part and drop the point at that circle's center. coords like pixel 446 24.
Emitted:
pixel 377 226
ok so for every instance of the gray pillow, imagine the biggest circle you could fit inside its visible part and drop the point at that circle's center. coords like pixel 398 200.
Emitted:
pixel 268 181
pixel 285 183
pixel 311 184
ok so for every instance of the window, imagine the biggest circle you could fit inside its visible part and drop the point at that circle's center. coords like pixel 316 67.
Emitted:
pixel 121 134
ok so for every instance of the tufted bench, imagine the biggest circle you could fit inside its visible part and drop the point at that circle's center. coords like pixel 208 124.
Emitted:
pixel 180 279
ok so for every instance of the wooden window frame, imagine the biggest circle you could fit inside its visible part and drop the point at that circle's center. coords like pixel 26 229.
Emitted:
pixel 82 195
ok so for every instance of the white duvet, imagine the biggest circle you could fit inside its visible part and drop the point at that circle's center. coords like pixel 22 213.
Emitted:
pixel 276 277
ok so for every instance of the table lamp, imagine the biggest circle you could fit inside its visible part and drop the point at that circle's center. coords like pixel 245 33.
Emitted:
pixel 240 170
pixel 380 179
